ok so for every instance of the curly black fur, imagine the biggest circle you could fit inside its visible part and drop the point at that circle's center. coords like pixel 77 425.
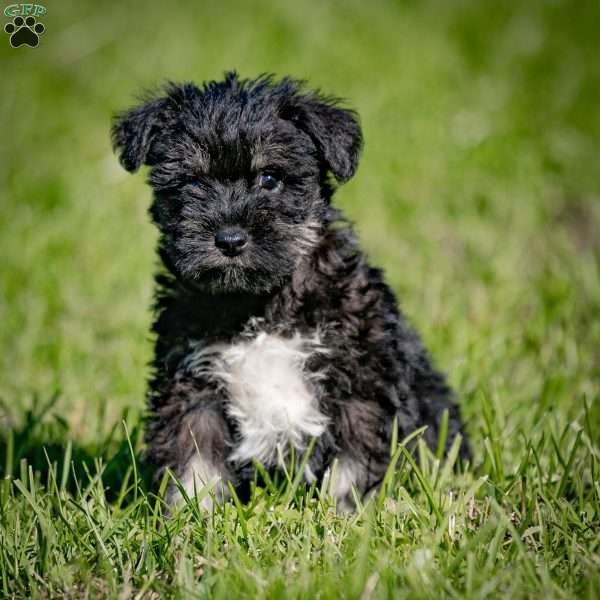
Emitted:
pixel 302 270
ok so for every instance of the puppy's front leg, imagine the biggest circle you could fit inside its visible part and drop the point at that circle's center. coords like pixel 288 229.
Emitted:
pixel 189 435
pixel 202 442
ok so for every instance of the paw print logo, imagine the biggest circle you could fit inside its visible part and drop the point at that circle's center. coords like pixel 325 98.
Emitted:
pixel 24 32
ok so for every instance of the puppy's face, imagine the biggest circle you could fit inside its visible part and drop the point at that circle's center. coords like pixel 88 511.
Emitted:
pixel 240 176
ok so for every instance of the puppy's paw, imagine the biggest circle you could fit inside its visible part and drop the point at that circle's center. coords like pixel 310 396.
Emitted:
pixel 200 480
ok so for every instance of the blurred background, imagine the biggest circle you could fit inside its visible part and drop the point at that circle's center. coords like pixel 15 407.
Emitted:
pixel 478 190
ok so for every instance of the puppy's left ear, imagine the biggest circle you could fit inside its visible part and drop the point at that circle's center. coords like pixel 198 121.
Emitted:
pixel 133 132
pixel 335 131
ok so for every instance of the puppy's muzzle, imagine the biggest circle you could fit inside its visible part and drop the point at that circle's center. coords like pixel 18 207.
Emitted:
pixel 231 241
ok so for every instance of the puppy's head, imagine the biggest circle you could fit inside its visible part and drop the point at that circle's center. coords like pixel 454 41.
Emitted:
pixel 241 174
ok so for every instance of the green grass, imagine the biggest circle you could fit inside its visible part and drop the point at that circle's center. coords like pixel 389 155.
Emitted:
pixel 478 191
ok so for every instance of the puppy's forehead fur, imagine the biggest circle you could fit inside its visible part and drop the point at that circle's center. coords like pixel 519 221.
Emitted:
pixel 237 134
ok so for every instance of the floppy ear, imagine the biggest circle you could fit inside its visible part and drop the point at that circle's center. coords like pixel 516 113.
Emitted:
pixel 134 130
pixel 335 131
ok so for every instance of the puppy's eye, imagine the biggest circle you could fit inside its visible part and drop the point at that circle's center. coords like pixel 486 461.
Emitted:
pixel 269 181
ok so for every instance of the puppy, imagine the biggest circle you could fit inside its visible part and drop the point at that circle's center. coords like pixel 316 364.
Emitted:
pixel 271 326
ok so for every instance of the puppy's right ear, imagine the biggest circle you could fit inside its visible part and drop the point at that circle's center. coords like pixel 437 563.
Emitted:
pixel 134 130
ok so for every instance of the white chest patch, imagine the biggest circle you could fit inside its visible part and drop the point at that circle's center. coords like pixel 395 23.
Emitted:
pixel 271 396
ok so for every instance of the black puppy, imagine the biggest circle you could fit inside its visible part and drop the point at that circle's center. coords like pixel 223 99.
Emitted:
pixel 271 326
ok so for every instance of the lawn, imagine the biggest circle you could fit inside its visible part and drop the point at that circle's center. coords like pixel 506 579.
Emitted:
pixel 478 192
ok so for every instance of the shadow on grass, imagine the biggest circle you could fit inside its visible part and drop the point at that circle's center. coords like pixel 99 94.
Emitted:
pixel 40 445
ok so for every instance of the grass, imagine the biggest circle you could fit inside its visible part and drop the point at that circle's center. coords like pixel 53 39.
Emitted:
pixel 478 192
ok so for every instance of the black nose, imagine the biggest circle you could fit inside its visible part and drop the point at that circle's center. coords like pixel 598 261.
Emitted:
pixel 231 241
